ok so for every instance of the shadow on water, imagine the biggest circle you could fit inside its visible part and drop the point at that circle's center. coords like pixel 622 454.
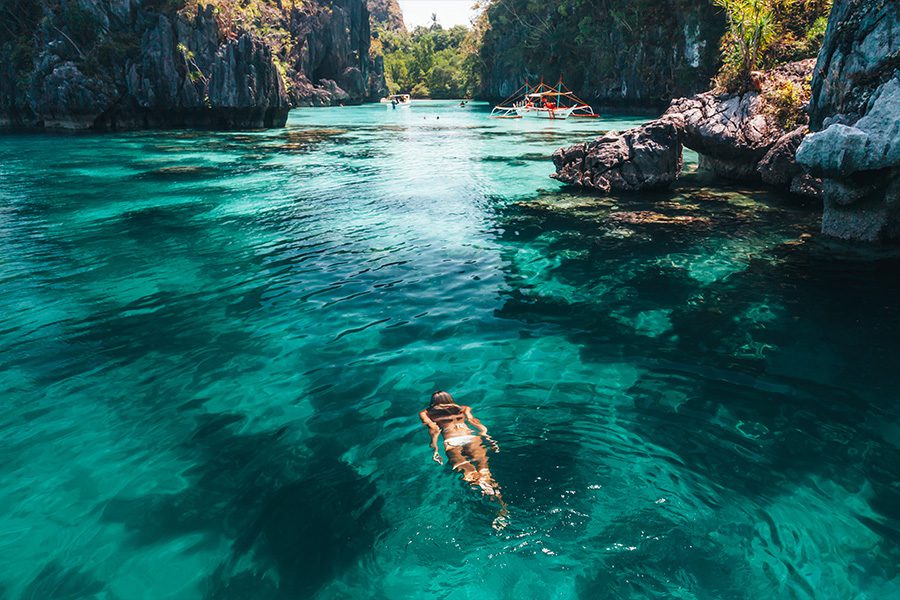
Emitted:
pixel 740 383
pixel 300 517
pixel 61 583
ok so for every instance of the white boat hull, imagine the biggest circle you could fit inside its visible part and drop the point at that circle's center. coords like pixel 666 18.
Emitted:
pixel 395 103
pixel 543 113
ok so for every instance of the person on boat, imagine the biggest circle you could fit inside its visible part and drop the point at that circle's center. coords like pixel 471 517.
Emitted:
pixel 465 450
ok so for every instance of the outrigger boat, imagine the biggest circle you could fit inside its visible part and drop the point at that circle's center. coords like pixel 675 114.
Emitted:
pixel 543 102
pixel 396 100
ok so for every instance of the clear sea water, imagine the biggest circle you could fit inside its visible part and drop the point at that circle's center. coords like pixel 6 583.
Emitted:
pixel 213 348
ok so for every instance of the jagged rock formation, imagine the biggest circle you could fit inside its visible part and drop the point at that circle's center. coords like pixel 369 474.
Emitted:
pixel 855 117
pixel 738 136
pixel 386 14
pixel 611 52
pixel 150 63
pixel 646 157
pixel 331 62
pixel 734 132
pixel 90 71
pixel 779 167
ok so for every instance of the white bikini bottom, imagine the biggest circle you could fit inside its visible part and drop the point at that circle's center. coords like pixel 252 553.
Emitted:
pixel 460 440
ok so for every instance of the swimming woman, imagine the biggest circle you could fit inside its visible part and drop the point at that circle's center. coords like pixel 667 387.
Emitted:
pixel 465 450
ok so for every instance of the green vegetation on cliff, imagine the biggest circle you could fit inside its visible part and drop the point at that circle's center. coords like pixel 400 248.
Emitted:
pixel 763 34
pixel 634 52
pixel 431 61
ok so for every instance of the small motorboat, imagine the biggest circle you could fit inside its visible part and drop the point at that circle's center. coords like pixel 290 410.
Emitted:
pixel 397 100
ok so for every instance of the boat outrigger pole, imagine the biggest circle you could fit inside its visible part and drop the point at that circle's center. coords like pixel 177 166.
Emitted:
pixel 543 101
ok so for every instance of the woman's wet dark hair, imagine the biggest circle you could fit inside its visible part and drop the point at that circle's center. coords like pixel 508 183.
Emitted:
pixel 441 397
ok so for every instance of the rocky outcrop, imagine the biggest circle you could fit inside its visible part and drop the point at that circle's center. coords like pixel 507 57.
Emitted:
pixel 855 117
pixel 738 137
pixel 844 148
pixel 610 52
pixel 94 64
pixel 384 15
pixel 734 132
pixel 646 157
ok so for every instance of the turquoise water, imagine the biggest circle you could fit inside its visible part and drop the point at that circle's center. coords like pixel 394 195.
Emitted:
pixel 214 346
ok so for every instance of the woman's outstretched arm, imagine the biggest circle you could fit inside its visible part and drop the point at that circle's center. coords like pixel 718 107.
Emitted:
pixel 435 432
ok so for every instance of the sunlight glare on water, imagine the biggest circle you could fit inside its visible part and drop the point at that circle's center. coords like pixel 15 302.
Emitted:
pixel 214 347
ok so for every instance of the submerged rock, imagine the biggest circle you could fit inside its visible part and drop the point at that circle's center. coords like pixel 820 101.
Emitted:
pixel 649 217
pixel 646 157
pixel 855 117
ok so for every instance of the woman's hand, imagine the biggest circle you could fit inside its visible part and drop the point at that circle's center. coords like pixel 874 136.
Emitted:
pixel 494 445
pixel 437 457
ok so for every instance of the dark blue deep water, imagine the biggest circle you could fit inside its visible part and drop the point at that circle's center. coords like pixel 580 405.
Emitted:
pixel 213 347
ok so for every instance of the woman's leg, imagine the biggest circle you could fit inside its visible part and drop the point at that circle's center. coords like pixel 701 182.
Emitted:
pixel 477 453
pixel 461 463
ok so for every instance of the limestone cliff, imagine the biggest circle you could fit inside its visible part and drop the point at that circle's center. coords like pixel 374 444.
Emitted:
pixel 330 63
pixel 855 117
pixel 125 64
pixel 610 52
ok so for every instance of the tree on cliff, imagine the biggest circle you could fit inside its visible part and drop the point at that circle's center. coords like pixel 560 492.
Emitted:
pixel 766 33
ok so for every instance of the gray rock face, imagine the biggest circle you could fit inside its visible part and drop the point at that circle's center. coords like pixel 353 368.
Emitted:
pixel 332 64
pixel 626 54
pixel 731 127
pixel 855 116
pixel 124 64
pixel 240 94
pixel 143 68
pixel 860 53
pixel 736 135
pixel 646 157
pixel 67 99
pixel 778 167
